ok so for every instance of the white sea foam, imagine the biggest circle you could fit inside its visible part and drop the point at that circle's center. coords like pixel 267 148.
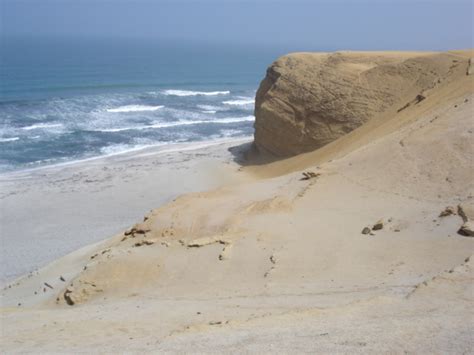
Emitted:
pixel 235 119
pixel 12 139
pixel 117 149
pixel 42 126
pixel 134 108
pixel 229 132
pixel 221 120
pixel 180 123
pixel 194 93
pixel 242 102
pixel 210 107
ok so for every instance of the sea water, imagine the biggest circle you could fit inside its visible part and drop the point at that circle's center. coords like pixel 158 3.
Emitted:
pixel 63 100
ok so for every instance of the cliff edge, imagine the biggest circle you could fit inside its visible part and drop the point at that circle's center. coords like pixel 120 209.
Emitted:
pixel 308 100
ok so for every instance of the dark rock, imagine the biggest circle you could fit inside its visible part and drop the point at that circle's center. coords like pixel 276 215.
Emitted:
pixel 378 225
pixel 467 229
pixel 448 211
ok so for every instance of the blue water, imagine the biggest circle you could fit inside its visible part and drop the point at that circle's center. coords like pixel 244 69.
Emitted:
pixel 66 100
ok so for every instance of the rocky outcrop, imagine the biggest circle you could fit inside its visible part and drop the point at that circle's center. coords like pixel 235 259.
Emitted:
pixel 308 100
pixel 466 211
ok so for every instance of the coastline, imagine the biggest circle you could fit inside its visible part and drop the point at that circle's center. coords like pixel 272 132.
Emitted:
pixel 353 247
pixel 70 205
pixel 130 153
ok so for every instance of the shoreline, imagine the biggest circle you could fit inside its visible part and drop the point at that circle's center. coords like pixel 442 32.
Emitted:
pixel 154 149
pixel 69 206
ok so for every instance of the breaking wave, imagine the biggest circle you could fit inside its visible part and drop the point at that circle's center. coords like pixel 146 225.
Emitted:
pixel 134 108
pixel 180 123
pixel 42 126
pixel 12 139
pixel 242 102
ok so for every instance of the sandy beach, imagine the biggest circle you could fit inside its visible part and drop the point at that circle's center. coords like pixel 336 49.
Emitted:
pixel 63 206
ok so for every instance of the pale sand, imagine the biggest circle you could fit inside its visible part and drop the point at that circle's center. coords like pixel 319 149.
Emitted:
pixel 65 207
pixel 279 264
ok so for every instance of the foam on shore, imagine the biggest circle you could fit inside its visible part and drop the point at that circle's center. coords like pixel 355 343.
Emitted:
pixel 194 93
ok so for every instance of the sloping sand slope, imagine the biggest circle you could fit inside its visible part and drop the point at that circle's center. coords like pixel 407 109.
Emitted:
pixel 280 263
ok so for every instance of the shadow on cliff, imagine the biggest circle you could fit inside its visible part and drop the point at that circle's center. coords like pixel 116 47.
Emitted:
pixel 247 154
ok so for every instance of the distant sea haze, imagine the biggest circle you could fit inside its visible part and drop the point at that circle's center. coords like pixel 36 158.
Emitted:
pixel 62 101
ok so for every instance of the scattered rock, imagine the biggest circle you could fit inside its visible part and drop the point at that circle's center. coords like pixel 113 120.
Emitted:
pixel 226 252
pixel 74 295
pixel 448 211
pixel 200 242
pixel 267 273
pixel 466 210
pixel 415 101
pixel 137 229
pixel 143 242
pixel 470 67
pixel 307 175
pixel 467 229
pixel 68 296
pixel 366 230
pixel 378 225
pixel 419 98
pixel 404 107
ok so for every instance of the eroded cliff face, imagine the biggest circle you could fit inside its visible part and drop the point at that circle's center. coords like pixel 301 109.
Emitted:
pixel 308 100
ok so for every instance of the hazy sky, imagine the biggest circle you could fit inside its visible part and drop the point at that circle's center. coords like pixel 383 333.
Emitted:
pixel 325 25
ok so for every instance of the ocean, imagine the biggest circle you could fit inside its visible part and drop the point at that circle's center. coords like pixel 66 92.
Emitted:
pixel 63 100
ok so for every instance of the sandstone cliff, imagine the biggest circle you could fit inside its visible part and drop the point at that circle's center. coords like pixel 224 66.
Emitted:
pixel 308 100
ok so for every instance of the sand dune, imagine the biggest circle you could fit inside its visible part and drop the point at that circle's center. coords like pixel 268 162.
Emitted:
pixel 282 261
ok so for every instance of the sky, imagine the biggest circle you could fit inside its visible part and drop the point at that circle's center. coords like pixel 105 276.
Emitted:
pixel 298 24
